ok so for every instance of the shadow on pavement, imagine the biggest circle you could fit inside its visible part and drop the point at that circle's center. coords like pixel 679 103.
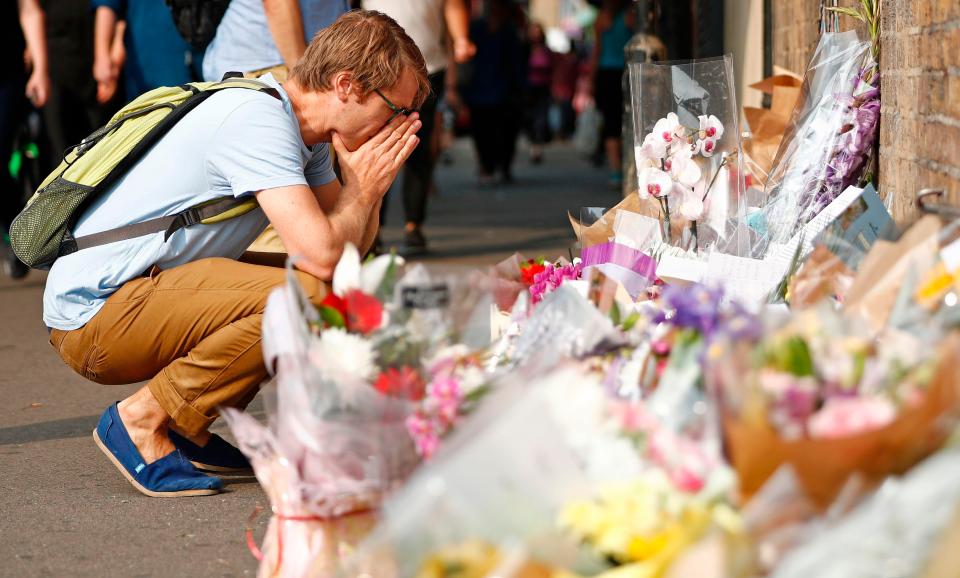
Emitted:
pixel 60 429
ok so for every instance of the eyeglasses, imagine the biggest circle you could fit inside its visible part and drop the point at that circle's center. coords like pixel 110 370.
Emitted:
pixel 397 110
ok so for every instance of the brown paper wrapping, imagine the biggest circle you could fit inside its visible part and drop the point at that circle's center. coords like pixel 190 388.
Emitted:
pixel 602 231
pixel 822 275
pixel 823 466
pixel 768 125
pixel 886 266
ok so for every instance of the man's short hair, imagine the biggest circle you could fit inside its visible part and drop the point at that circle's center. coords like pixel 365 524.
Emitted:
pixel 369 44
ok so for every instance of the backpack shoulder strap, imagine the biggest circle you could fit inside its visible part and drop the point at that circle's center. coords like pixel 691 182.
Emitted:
pixel 211 212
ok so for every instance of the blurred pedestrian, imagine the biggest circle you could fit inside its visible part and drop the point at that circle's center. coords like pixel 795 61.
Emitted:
pixel 425 21
pixel 152 54
pixel 72 111
pixel 612 31
pixel 494 91
pixel 566 69
pixel 25 77
pixel 540 64
pixel 260 36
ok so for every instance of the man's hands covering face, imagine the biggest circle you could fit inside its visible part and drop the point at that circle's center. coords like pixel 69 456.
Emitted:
pixel 372 167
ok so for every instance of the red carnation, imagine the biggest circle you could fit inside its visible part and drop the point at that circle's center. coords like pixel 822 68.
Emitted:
pixel 530 271
pixel 405 383
pixel 364 313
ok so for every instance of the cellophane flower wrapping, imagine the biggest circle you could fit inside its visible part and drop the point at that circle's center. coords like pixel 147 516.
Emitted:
pixel 830 137
pixel 688 152
pixel 832 400
pixel 329 448
pixel 492 495
pixel 353 375
pixel 894 531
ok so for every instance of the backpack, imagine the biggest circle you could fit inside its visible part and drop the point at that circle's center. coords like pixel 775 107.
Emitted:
pixel 40 234
pixel 197 20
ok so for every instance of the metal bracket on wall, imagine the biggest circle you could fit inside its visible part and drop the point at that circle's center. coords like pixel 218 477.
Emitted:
pixel 924 204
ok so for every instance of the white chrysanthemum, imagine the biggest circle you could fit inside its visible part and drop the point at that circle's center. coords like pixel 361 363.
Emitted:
pixel 343 358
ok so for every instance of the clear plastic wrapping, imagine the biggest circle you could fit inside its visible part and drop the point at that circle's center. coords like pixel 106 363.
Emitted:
pixel 688 151
pixel 825 148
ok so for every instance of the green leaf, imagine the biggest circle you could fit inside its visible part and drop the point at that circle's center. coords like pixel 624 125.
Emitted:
pixel 631 321
pixel 384 292
pixel 799 361
pixel 331 317
pixel 615 314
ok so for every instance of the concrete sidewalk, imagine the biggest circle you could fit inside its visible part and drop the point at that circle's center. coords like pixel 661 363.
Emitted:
pixel 65 511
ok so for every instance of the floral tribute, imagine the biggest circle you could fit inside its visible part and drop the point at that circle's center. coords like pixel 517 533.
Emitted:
pixel 669 171
pixel 456 383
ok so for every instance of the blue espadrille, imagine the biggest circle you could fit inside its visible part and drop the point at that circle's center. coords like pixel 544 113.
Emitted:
pixel 170 476
pixel 218 456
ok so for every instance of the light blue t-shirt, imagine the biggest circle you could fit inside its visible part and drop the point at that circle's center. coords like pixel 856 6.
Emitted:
pixel 237 142
pixel 243 42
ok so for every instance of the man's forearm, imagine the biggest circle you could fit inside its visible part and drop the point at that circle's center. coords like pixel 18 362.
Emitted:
pixel 457 18
pixel 32 22
pixel 105 22
pixel 373 227
pixel 286 28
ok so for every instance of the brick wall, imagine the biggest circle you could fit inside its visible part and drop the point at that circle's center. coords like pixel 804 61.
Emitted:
pixel 920 79
pixel 796 31
pixel 920 114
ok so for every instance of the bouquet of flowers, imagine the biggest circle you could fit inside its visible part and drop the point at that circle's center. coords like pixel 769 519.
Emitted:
pixel 832 401
pixel 332 445
pixel 834 130
pixel 352 381
pixel 688 160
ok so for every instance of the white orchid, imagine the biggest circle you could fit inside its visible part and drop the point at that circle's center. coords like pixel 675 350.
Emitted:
pixel 350 274
pixel 665 129
pixel 691 201
pixel 652 182
pixel 710 127
pixel 706 147
pixel 652 148
pixel 683 168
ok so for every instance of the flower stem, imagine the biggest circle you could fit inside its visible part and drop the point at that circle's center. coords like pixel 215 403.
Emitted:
pixel 713 180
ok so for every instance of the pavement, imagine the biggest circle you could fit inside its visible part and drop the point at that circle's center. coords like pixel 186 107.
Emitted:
pixel 65 510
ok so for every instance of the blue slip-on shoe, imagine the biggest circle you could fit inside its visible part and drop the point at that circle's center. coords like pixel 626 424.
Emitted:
pixel 170 476
pixel 217 456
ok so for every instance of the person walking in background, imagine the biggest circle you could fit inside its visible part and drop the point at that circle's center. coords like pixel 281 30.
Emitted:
pixel 425 21
pixel 72 111
pixel 612 31
pixel 260 36
pixel 539 77
pixel 494 91
pixel 21 29
pixel 563 84
pixel 153 53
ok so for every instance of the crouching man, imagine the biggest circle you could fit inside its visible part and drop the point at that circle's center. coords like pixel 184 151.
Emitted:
pixel 185 313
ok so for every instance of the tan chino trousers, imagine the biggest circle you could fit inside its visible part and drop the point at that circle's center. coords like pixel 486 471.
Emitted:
pixel 193 331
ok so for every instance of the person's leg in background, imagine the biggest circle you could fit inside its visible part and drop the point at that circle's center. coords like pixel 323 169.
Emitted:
pixel 485 130
pixel 194 332
pixel 509 122
pixel 418 174
pixel 12 108
pixel 539 122
pixel 610 102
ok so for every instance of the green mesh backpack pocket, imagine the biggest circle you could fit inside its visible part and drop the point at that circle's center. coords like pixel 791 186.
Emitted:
pixel 37 232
